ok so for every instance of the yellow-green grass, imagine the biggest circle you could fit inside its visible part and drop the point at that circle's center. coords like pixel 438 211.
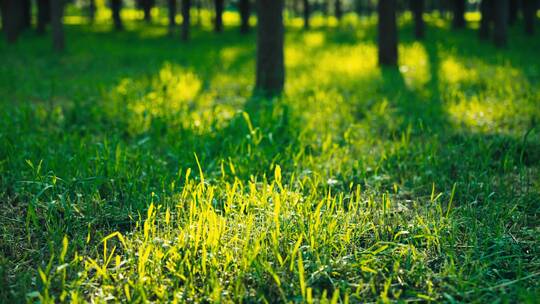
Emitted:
pixel 135 167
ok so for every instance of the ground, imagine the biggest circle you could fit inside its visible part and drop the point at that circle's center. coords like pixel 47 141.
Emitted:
pixel 137 167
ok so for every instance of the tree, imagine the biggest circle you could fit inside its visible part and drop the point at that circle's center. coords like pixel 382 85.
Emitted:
pixel 270 76
pixel 172 14
pixel 387 36
pixel 147 9
pixel 513 9
pixel 500 19
pixel 43 14
pixel 338 11
pixel 26 21
pixel 486 10
pixel 458 20
pixel 218 22
pixel 92 11
pixel 116 6
pixel 417 7
pixel 244 7
pixel 307 12
pixel 57 14
pixel 186 8
pixel 12 13
pixel 529 14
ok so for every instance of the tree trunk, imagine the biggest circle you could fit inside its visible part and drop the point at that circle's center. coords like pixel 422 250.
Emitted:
pixel 513 9
pixel 218 22
pixel 91 11
pixel 486 10
pixel 245 11
pixel 270 39
pixel 307 12
pixel 57 26
pixel 529 15
pixel 338 11
pixel 417 7
pixel 388 39
pixel 44 15
pixel 172 14
pixel 458 20
pixel 147 9
pixel 26 14
pixel 186 7
pixel 13 16
pixel 116 6
pixel 500 19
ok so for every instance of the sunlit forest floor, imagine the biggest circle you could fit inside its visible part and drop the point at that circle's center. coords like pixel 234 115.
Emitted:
pixel 136 167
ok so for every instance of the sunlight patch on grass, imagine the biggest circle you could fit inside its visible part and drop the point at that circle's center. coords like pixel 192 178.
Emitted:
pixel 169 94
pixel 453 72
pixel 314 39
pixel 413 65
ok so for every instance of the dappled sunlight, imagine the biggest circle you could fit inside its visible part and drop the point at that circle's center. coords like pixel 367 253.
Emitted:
pixel 454 72
pixel 414 65
pixel 168 95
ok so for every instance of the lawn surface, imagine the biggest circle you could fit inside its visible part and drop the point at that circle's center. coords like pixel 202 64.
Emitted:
pixel 136 167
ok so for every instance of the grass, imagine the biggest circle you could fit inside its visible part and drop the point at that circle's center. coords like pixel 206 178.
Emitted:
pixel 137 168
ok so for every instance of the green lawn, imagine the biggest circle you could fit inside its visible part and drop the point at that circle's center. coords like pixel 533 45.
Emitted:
pixel 136 167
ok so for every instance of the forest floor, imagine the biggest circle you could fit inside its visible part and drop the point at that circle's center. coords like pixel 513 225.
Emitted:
pixel 137 167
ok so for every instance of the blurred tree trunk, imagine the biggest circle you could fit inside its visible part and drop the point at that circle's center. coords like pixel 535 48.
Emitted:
pixel 387 36
pixel 307 12
pixel 486 10
pixel 500 18
pixel 172 15
pixel 26 14
pixel 147 9
pixel 116 6
pixel 57 26
pixel 458 20
pixel 218 22
pixel 270 37
pixel 91 11
pixel 338 11
pixel 245 11
pixel 513 10
pixel 43 14
pixel 529 15
pixel 12 19
pixel 186 8
pixel 417 7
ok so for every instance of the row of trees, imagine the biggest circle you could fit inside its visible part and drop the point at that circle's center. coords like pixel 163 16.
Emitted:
pixel 270 75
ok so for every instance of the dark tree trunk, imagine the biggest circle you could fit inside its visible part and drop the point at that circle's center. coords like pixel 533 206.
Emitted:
pixel 147 9
pixel 44 15
pixel 338 10
pixel 91 11
pixel 500 18
pixel 387 36
pixel 307 12
pixel 26 14
pixel 458 20
pixel 486 10
pixel 270 37
pixel 417 7
pixel 3 14
pixel 186 8
pixel 57 26
pixel 13 17
pixel 218 22
pixel 513 9
pixel 529 15
pixel 245 11
pixel 116 6
pixel 172 15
